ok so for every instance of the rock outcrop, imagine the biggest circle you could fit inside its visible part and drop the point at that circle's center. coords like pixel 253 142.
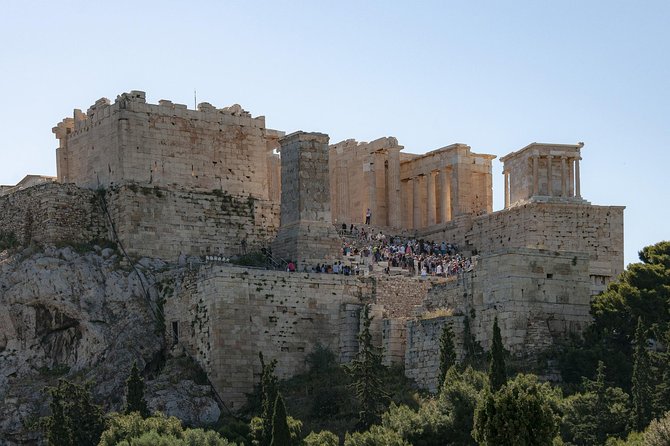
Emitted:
pixel 83 317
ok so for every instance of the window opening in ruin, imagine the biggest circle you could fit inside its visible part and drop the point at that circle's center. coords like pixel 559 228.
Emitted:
pixel 550 276
pixel 175 332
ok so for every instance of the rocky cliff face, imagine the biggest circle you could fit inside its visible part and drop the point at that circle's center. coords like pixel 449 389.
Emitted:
pixel 84 318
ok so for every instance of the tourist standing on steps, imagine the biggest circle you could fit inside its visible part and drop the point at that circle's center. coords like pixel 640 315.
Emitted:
pixel 368 216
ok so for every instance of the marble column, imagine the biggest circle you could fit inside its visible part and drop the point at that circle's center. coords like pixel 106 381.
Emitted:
pixel 445 196
pixel 536 189
pixel 564 179
pixel 550 176
pixel 430 177
pixel 578 192
pixel 416 202
pixel 506 174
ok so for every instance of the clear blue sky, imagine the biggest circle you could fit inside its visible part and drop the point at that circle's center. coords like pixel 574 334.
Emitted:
pixel 495 75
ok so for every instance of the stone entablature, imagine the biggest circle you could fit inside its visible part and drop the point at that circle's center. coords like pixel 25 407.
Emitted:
pixel 166 145
pixel 543 172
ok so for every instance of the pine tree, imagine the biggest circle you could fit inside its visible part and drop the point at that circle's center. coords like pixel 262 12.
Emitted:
pixel 366 372
pixel 280 432
pixel 447 353
pixel 75 419
pixel 497 375
pixel 268 396
pixel 641 381
pixel 662 391
pixel 135 401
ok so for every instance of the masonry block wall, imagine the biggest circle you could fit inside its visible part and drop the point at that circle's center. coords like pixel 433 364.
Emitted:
pixel 166 223
pixel 226 315
pixel 422 357
pixel 596 231
pixel 166 145
pixel 52 213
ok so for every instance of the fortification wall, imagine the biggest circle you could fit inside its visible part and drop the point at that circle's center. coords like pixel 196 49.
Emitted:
pixel 165 223
pixel 226 315
pixel 52 213
pixel 166 145
pixel 596 231
pixel 538 296
pixel 422 357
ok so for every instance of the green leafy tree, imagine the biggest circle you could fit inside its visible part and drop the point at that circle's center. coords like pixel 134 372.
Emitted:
pixel 76 419
pixel 641 382
pixel 658 432
pixel 425 427
pixel 280 432
pixel 376 436
pixel 642 291
pixel 135 401
pixel 598 414
pixel 519 414
pixel 323 438
pixel 447 352
pixel 459 398
pixel 661 400
pixel 366 372
pixel 156 430
pixel 497 375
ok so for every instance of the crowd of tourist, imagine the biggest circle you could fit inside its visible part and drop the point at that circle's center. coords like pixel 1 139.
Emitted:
pixel 415 256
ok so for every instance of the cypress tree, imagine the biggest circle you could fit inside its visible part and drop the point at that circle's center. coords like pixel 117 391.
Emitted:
pixel 366 372
pixel 497 376
pixel 135 401
pixel 641 382
pixel 280 433
pixel 447 353
pixel 268 396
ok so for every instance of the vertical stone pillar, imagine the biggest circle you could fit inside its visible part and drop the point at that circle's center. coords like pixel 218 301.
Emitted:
pixel 506 173
pixel 393 202
pixel 578 192
pixel 416 202
pixel 372 190
pixel 564 182
pixel 430 182
pixel 444 197
pixel 306 234
pixel 550 176
pixel 536 189
pixel 571 177
pixel 407 203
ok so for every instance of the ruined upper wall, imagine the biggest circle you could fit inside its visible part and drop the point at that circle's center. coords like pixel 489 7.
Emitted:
pixel 166 145
pixel 52 213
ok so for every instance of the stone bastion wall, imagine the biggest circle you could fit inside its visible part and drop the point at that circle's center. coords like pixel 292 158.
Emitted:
pixel 224 316
pixel 596 231
pixel 148 221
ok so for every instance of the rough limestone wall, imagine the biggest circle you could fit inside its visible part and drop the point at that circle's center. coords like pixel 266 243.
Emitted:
pixel 538 296
pixel 401 295
pixel 422 357
pixel 594 230
pixel 228 315
pixel 52 213
pixel 165 223
pixel 168 145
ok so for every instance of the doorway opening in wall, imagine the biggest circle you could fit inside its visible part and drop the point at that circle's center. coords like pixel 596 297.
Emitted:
pixel 175 332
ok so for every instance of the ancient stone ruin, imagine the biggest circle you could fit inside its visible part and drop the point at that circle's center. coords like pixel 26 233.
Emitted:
pixel 188 186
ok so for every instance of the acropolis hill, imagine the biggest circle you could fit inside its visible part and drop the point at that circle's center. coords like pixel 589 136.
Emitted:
pixel 195 187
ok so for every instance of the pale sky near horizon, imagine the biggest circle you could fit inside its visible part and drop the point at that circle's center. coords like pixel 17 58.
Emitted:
pixel 494 75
